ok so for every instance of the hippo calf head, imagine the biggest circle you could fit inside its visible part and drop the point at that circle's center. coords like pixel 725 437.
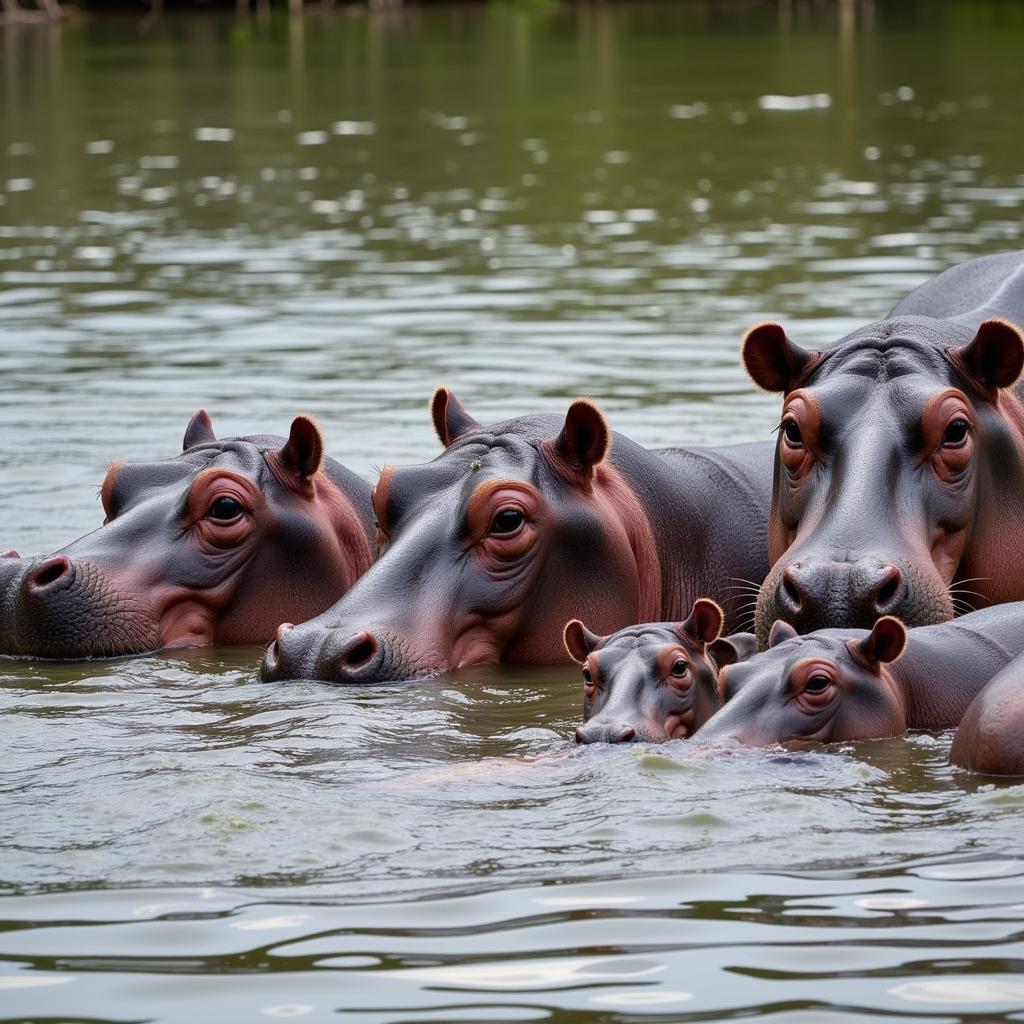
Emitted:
pixel 214 546
pixel 485 553
pixel 825 687
pixel 652 682
pixel 898 454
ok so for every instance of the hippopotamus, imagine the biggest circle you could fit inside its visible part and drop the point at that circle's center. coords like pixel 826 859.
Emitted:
pixel 853 684
pixel 990 738
pixel 656 681
pixel 214 546
pixel 514 528
pixel 899 471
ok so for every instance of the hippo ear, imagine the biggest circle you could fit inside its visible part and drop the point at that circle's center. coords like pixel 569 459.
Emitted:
pixel 996 355
pixel 304 451
pixel 781 631
pixel 579 641
pixel 885 643
pixel 584 439
pixel 728 650
pixel 771 359
pixel 704 623
pixel 451 421
pixel 198 431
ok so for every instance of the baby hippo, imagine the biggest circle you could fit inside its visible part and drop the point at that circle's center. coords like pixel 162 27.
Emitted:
pixel 656 681
pixel 857 684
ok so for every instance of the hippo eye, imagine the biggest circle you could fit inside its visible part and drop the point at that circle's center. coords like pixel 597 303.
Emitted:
pixel 791 431
pixel 679 668
pixel 587 677
pixel 224 509
pixel 817 684
pixel 956 434
pixel 507 521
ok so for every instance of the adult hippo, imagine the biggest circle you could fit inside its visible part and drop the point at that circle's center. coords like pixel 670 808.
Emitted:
pixel 990 739
pixel 216 545
pixel 517 527
pixel 899 474
pixel 653 682
pixel 847 684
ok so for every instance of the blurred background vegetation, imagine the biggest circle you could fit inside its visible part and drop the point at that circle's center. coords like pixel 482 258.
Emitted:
pixel 42 10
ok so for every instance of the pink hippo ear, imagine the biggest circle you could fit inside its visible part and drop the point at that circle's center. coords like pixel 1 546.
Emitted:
pixel 772 360
pixel 996 355
pixel 582 443
pixel 451 421
pixel 303 452
pixel 704 623
pixel 781 631
pixel 885 643
pixel 579 641
pixel 198 431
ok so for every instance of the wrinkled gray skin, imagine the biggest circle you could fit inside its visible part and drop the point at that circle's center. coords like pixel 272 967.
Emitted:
pixel 150 577
pixel 633 695
pixel 930 687
pixel 430 604
pixel 990 738
pixel 869 530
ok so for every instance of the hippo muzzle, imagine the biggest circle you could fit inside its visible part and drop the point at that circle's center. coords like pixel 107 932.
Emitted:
pixel 604 732
pixel 62 609
pixel 348 656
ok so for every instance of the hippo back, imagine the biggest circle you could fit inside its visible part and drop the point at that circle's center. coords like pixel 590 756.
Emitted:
pixel 948 664
pixel 992 286
pixel 990 738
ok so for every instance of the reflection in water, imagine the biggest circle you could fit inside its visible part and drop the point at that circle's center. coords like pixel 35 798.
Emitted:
pixel 333 217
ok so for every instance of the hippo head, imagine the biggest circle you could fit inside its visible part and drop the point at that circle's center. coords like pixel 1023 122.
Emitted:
pixel 824 687
pixel 652 682
pixel 214 546
pixel 897 448
pixel 484 553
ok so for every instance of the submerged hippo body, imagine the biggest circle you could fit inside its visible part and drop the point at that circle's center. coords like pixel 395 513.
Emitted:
pixel 990 739
pixel 856 684
pixel 899 473
pixel 216 545
pixel 488 550
pixel 656 681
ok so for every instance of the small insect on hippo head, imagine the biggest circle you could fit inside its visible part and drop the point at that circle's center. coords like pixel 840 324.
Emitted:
pixel 825 687
pixel 486 552
pixel 656 681
pixel 897 469
pixel 217 545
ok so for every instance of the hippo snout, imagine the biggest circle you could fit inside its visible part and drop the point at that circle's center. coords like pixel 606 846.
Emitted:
pixel 335 655
pixel 56 607
pixel 598 732
pixel 810 591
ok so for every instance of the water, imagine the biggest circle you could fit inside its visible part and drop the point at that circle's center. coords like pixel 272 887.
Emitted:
pixel 527 205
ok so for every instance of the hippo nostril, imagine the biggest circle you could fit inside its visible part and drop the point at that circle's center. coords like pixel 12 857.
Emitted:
pixel 358 651
pixel 282 629
pixel 10 554
pixel 791 587
pixel 52 571
pixel 888 587
pixel 626 735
